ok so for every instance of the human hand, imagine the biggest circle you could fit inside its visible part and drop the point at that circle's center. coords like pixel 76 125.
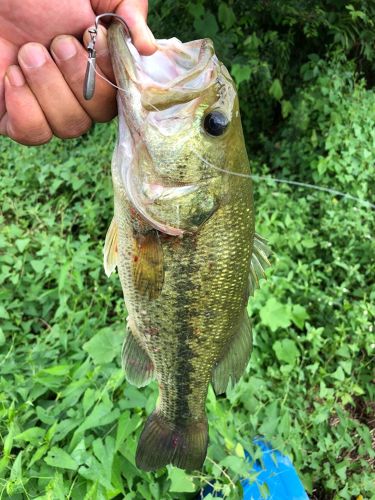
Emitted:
pixel 41 90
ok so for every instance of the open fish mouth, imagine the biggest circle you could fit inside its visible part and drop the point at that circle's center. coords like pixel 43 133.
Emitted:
pixel 176 72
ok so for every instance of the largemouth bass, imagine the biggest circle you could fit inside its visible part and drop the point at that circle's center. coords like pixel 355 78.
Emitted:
pixel 182 237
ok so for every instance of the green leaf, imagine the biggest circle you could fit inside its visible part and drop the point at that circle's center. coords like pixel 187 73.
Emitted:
pixel 57 457
pixel 58 487
pixel 3 312
pixel 58 370
pixel 104 346
pixel 38 455
pixel 102 414
pixel 93 470
pixel 275 314
pixel 126 425
pixel 8 441
pixel 347 366
pixel 15 485
pixel 241 73
pixel 196 10
pixel 38 265
pixel 276 89
pixel 299 316
pixel 21 244
pixel 339 374
pixel 286 108
pixel 226 15
pixel 16 471
pixel 207 25
pixel 89 400
pixel 181 482
pixel 54 376
pixel 235 464
pixel 286 350
pixel 134 398
pixel 32 435
pixel 239 451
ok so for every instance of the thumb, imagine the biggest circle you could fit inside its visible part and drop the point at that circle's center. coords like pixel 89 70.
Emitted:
pixel 135 14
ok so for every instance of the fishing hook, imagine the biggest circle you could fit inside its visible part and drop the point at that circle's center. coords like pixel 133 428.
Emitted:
pixel 89 82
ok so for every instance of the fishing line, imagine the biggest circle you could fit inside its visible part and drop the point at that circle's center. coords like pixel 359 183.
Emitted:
pixel 286 181
pixel 255 177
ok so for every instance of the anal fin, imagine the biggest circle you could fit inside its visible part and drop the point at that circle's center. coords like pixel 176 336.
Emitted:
pixel 138 367
pixel 235 359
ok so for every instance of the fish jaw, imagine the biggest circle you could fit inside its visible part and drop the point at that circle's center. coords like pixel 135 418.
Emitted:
pixel 158 101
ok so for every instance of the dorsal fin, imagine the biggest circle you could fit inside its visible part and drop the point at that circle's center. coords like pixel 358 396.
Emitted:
pixel 259 262
pixel 111 248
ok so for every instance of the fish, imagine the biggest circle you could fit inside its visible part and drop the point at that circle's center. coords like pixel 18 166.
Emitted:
pixel 182 237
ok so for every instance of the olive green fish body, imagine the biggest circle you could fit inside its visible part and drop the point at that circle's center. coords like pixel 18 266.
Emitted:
pixel 182 238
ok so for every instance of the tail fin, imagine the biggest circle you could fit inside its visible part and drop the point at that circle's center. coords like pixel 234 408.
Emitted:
pixel 162 443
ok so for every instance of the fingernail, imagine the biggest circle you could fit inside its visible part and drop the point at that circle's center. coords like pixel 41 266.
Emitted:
pixel 64 48
pixel 102 32
pixel 150 37
pixel 32 55
pixel 146 42
pixel 15 76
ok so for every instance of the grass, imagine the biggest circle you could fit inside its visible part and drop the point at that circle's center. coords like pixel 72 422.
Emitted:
pixel 69 422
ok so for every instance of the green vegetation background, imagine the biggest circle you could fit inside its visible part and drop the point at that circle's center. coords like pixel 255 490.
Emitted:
pixel 69 422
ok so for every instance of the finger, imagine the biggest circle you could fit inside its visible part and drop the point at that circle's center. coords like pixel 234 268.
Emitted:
pixel 24 121
pixel 103 58
pixel 135 14
pixel 65 115
pixel 8 56
pixel 71 59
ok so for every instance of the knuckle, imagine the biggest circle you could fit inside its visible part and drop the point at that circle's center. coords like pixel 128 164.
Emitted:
pixel 33 136
pixel 74 128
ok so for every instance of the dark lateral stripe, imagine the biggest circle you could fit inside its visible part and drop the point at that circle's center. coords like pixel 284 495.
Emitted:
pixel 185 274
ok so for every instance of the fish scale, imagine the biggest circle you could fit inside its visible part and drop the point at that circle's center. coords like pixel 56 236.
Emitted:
pixel 184 256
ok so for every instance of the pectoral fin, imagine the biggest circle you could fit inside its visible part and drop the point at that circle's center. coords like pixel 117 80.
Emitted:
pixel 236 356
pixel 111 248
pixel 148 267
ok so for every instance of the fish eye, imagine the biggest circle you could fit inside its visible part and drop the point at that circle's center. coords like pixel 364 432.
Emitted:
pixel 215 123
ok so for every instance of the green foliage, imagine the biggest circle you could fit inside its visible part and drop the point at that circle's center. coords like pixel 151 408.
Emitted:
pixel 69 422
pixel 267 41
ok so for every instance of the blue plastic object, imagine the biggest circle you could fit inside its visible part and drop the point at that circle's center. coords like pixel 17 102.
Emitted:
pixel 278 473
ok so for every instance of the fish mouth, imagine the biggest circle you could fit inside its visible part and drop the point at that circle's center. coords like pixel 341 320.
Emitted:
pixel 177 72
